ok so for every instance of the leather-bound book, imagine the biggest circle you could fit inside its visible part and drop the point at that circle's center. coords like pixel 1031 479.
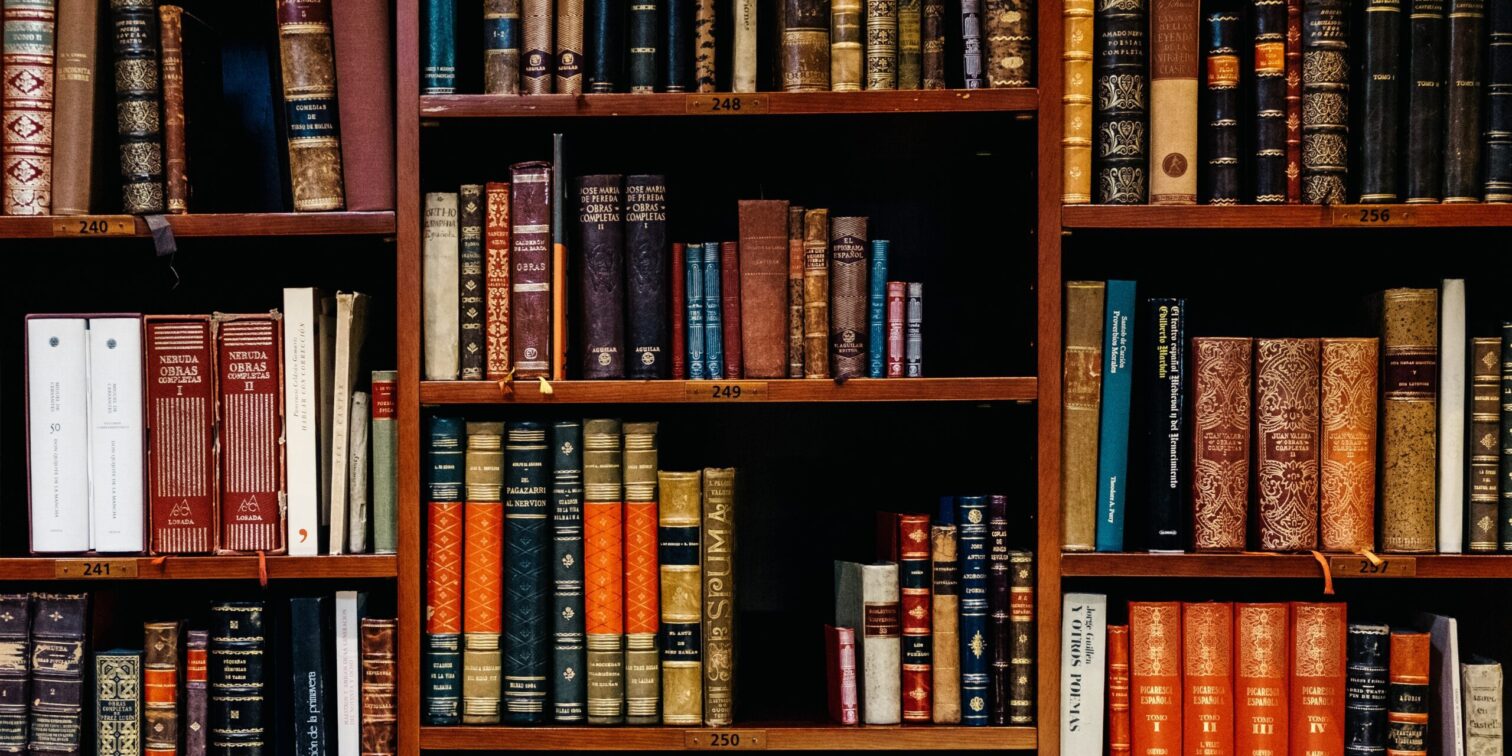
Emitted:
pixel 1426 95
pixel 496 277
pixel 678 313
pixel 1293 101
pixel 1484 442
pixel 74 100
pixel 1409 378
pixel 603 547
pixel 181 430
pixel 1365 690
pixel 501 46
pixel 909 60
pixel 713 304
pixel 568 644
pixel 848 252
pixel 1379 103
pixel 897 303
pixel 250 436
pixel 882 44
pixel 26 106
pixel 1498 150
pixel 1155 676
pixel 764 283
pixel 1348 474
pixel 310 640
pixel 483 573
pixel 694 314
pixel 59 622
pixel 1286 443
pixel 1407 694
pixel 680 527
pixel 845 46
pixel 1464 83
pixel 364 99
pixel 380 691
pixel 1120 726
pixel 1220 442
pixel 932 44
pixel 973 555
pixel 876 309
pixel 718 559
pixel 1207 677
pixel 1121 159
pixel 1221 110
pixel 118 704
pixel 945 598
pixel 743 48
pixel 605 45
pixel 1269 166
pixel 1174 57
pixel 971 45
pixel 1504 457
pixel 441 644
pixel 866 603
pixel 1166 432
pixel 438 52
pixel 196 692
pixel 160 671
pixel 471 284
pixel 568 66
pixel 645 218
pixel 914 585
pixel 999 595
pixel 530 253
pixel 1081 386
pixel 527 504
pixel 643 34
pixel 1325 101
pixel 703 40
pixel 794 291
pixel 138 105
pixel 309 89
pixel 239 716
pixel 676 28
pixel 840 674
pixel 440 279
pixel 1076 102
pixel 642 577
pixel 537 53
pixel 15 661
pixel 1318 677
pixel 1021 649
pixel 729 306
pixel 175 158
pixel 601 231
pixel 1009 28
pixel 816 294
pixel 1482 680
pixel 1260 675
pixel 913 351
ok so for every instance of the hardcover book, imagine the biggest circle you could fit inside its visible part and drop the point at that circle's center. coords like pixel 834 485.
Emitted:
pixel 496 276
pixel 471 292
pixel 729 305
pixel 1348 475
pixel 196 691
pixel 1380 95
pixel 1220 442
pixel 1325 101
pixel 1425 100
pixel 1446 720
pixel 526 507
pixel 118 703
pixel 642 607
pixel 1009 28
pixel 840 673
pixel 1173 99
pixel 703 40
pixel 679 356
pixel 913 350
pixel 1463 84
pixel 642 40
pixel 845 46
pixel 27 97
pixel 932 44
pixel 1482 679
pixel 385 424
pixel 441 287
pixel 1293 102
pixel 848 297
pixel 379 687
pixel 764 285
pixel 1166 433
pixel 1081 386
pixel 1261 668
pixel 646 332
pixel 1084 671
pixel 1408 697
pixel 441 646
pixel 438 47
pixel 364 46
pixel 1122 161
pixel 866 602
pixel 310 109
pixel 694 316
pixel 483 574
pixel 1498 149
pixel 743 77
pixel 882 44
pixel 1207 677
pixel 876 310
pixel 238 687
pixel 1220 106
pixel 1021 653
pixel 1409 374
pixel 714 326
pixel 718 560
pixel 914 601
pixel 501 46
pixel 530 323
pixel 897 302
pixel 603 539
pixel 305 405
pixel 1504 459
pixel 348 442
pixel 1365 690
pixel 971 45
pixel 680 520
pixel 138 93
pixel 160 677
pixel 1270 101
pixel 805 46
pixel 999 594
pixel 675 27
pixel 15 663
pixel 1120 726
pixel 1078 30
pixel 75 96
pixel 250 436
pixel 976 641
pixel 181 365
pixel 59 622
pixel 57 380
pixel 1318 677
pixel 568 645
pixel 309 642
pixel 1286 443
pixel 1113 433
pixel 1484 442
pixel 816 285
pixel 945 650
pixel 795 348
pixel 1451 417
pixel 602 240
pixel 1155 662
pixel 538 55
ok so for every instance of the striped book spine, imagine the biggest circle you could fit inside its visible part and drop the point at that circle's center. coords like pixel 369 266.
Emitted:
pixel 570 656
pixel 972 552
pixel 526 507
pixel 681 597
pixel 914 584
pixel 642 607
pixel 250 437
pixel 693 275
pixel 713 320
pixel 603 546
pixel 483 573
pixel 443 576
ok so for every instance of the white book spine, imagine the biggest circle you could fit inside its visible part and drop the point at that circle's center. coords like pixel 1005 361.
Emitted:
pixel 301 309
pixel 357 499
pixel 1084 669
pixel 884 645
pixel 1451 424
pixel 351 319
pixel 57 427
pixel 117 488
pixel 348 673
pixel 744 79
pixel 440 287
pixel 1483 708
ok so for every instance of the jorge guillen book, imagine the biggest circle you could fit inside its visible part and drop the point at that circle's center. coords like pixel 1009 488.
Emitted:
pixel 1084 671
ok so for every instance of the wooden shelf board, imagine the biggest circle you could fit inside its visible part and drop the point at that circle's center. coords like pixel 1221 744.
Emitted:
pixel 779 737
pixel 220 224
pixel 768 103
pixel 1022 389
pixel 1262 566
pixel 211 567
pixel 1282 216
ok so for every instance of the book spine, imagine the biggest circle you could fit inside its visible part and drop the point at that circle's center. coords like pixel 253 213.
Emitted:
pixel 1462 100
pixel 897 304
pixel 1483 708
pixel 1084 619
pixel 1498 104
pixel 1504 458
pixel 972 64
pixel 1009 28
pixel 441 277
pixel 118 703
pixel 932 44
pixel 379 687
pixel 914 585
pixel 816 291
pixel 675 68
pixel 1484 442
pixel 1325 101
pixel 1409 374
pixel 913 326
pixel 1270 101
pixel 729 304
pixel 603 541
pixel 645 214
pixel 703 40
pixel 1293 101
pixel 1120 726
pixel 1286 443
pixel 310 110
pixel 569 652
pixel 1380 93
pixel 694 276
pixel 309 637
pixel 764 284
pixel 526 508
pixel 1166 431
pixel 743 77
pixel 76 67
pixel 643 34
pixel 1122 160
pixel 15 660
pixel 538 54
pixel 846 48
pixel 642 606
pixel 470 285
pixel 160 673
pixel 442 643
pixel 558 264
pixel 1076 102
pixel 1451 417
pixel 496 275
pixel 840 669
pixel 302 410
pixel 501 46
pixel 1221 107
pixel 385 461
pixel 1021 639
pixel 438 72
pixel 181 421
pixel 1081 387
pixel 976 650
pixel 251 432
pixel 1425 101
pixel 1155 657
pixel 1348 474
pixel 1318 676
pixel 115 435
pixel 713 274
pixel 568 66
pixel 881 699
pixel 1207 680
pixel 601 232
pixel 999 596
pixel 876 313
pixel 196 692
pixel 138 102
pixel 26 97
pixel 1220 442
pixel 364 45
pixel 1407 695
pixel 605 49
pixel 681 588
pixel 1173 100
pixel 349 606
pixel 678 313
pixel 530 253
pixel 718 559
pixel 848 252
pixel 1260 674
pixel 910 61
pixel 238 687
pixel 483 574
pixel 881 44
pixel 1113 436
pixel 175 161
pixel 795 260
pixel 1365 691
pixel 945 646
pixel 57 672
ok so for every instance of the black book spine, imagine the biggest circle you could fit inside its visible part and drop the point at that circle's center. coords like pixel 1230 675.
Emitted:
pixel 569 640
pixel 238 688
pixel 15 653
pixel 1462 100
pixel 1165 420
pixel 1122 104
pixel 643 32
pixel 605 45
pixel 57 672
pixel 602 272
pixel 1365 690
pixel 139 105
pixel 470 267
pixel 1380 95
pixel 1221 114
pixel 1498 154
pixel 1325 101
pixel 676 20
pixel 648 349
pixel 309 637
pixel 1504 468
pixel 1270 102
pixel 999 591
pixel 1425 100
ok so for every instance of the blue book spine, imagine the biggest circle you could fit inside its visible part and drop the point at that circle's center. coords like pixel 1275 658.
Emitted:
pixel 569 695
pixel 693 271
pixel 309 637
pixel 976 654
pixel 713 322
pixel 527 503
pixel 438 73
pixel 1113 439
pixel 876 319
pixel 442 651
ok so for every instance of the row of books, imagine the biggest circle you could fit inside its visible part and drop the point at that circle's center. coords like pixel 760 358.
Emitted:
pixel 1323 439
pixel 566 519
pixel 1376 101
pixel 168 100
pixel 677 46
pixel 941 628
pixel 801 294
pixel 186 690
pixel 1275 678
pixel 195 434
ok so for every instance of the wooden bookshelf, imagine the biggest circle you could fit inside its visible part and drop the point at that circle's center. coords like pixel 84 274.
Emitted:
pixel 1021 389
pixel 771 737
pixel 728 104
pixel 1256 566
pixel 1379 217
pixel 113 568
pixel 206 224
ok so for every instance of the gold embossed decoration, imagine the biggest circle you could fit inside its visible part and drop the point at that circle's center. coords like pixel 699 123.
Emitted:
pixel 1286 443
pixel 1349 433
pixel 1220 479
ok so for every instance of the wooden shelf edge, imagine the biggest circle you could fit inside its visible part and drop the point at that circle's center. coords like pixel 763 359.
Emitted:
pixel 779 738
pixel 1020 389
pixel 1471 215
pixel 218 225
pixel 769 103
pixel 210 567
pixel 1263 566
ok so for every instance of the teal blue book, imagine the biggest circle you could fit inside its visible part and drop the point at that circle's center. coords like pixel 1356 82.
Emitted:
pixel 693 273
pixel 876 316
pixel 438 73
pixel 1113 438
pixel 713 322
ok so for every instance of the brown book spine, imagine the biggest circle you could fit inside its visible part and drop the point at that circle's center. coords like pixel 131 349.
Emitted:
pixel 74 94
pixel 729 302
pixel 805 46
pixel 26 107
pixel 848 296
pixel 365 101
pixel 945 598
pixel 1294 101
pixel 816 294
pixel 1286 443
pixel 181 433
pixel 679 312
pixel 1349 443
pixel 1207 680
pixel 703 34
pixel 530 256
pixel 1407 695
pixel 310 107
pixel 1081 386
pixel 1120 743
pixel 1155 676
pixel 1485 442
pixel 762 289
pixel 1174 58
pixel 1409 417
pixel 795 291
pixel 1318 677
pixel 932 44
pixel 1260 679
pixel 496 291
pixel 250 438
pixel 160 649
pixel 380 698
pixel 569 47
pixel 501 56
pixel 897 298
pixel 538 54
pixel 1009 28
pixel 1220 443
pixel 175 161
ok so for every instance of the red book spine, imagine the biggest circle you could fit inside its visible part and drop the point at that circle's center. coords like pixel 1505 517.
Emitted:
pixel 840 668
pixel 364 101
pixel 26 96
pixel 496 281
pixel 530 255
pixel 1119 724
pixel 915 579
pixel 1319 652
pixel 181 427
pixel 897 295
pixel 679 308
pixel 1293 102
pixel 729 295
pixel 1207 679
pixel 1408 695
pixel 1260 684
pixel 1155 676
pixel 251 432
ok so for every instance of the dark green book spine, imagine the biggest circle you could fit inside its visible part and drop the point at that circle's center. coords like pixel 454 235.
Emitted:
pixel 526 508
pixel 569 652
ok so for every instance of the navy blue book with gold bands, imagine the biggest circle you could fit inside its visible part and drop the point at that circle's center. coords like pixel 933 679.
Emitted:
pixel 238 686
pixel 569 694
pixel 976 652
pixel 526 509
pixel 441 644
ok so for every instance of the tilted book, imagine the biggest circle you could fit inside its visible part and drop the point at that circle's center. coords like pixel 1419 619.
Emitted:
pixel 379 686
pixel 310 642
pixel 1409 376
pixel 1173 102
pixel 1220 103
pixel 1113 433
pixel 1484 443
pixel 945 597
pixel 1167 445
pixel 303 436
pixel 160 677
pixel 1220 442
pixel 976 639
pixel 1464 84
pixel 138 104
pixel 1482 682
pixel 1365 690
pixel 1325 101
pixel 359 508
pixel 1379 102
pixel 1318 677
pixel 679 532
pixel 603 555
pixel 530 206
pixel 483 574
pixel 496 276
pixel 816 291
pixel 118 703
pixel 238 686
pixel 527 505
pixel 1269 124
pixel 1083 671
pixel 601 233
pixel 441 643
pixel 1348 474
pixel 75 96
pixel 729 305
pixel 59 623
pixel 1286 443
pixel 250 436
pixel 196 691
pixel 57 388
pixel 914 585
pixel 848 296
pixel 642 599
pixel 866 602
pixel 1451 417
pixel 310 109
pixel 764 286
pixel 568 645
pixel 1446 718
pixel 718 560
pixel 1155 662
pixel 1409 701
pixel 876 310
pixel 1122 159
pixel 1207 700
pixel 1081 396
pixel 999 594
pixel 15 663
pixel 26 97
pixel 714 323
pixel 441 288
pixel 646 329
pixel 385 435
pixel 1261 671
pixel 1120 725
pixel 471 286
pixel 181 396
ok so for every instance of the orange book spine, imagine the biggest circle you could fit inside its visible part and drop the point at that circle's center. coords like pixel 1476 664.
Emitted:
pixel 483 567
pixel 1207 679
pixel 444 573
pixel 603 543
pixel 1407 695
pixel 1155 677
pixel 1260 679
pixel 496 278
pixel 1119 743
pixel 642 581
pixel 1318 654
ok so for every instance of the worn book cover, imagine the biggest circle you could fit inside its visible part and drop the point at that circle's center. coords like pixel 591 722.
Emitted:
pixel 250 437
pixel 1409 382
pixel 181 399
pixel 483 573
pixel 1286 443
pixel 1348 473
pixel 1081 386
pixel 1220 442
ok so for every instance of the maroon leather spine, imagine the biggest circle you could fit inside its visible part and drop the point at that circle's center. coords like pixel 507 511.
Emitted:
pixel 729 296
pixel 180 429
pixel 679 306
pixel 365 101
pixel 175 160
pixel 530 255
pixel 764 286
pixel 1220 443
pixel 897 296
pixel 1286 443
pixel 1293 102
pixel 380 703
pixel 840 673
pixel 250 410
pixel 196 692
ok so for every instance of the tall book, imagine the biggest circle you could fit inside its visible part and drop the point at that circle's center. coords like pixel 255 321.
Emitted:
pixel 676 30
pixel 26 106
pixel 795 290
pixel 1498 149
pixel 1155 660
pixel 678 314
pixel 1318 677
pixel 694 314
pixel 1426 96
pixel 1483 442
pixel 379 686
pixel 536 51
pixel 1113 433
pixel 1379 104
pixel 470 283
pixel 364 101
pixel 1286 443
pixel 501 46
pixel 527 505
pixel 1408 694
pixel 976 641
pixel 714 324
pixel 1269 125
pixel 1207 677
pixel 15 664
pixel 679 531
pixel 57 388
pixel 138 103
pixel 646 331
pixel 559 245
pixel 1293 102
pixel 1365 690
pixel 160 678
pixel 530 208
pixel 1009 29
pixel 1451 417
pixel 1446 718
pixel 181 425
pixel 642 42
pixel 642 606
pixel 1120 726
pixel 764 287
pixel 250 436
pixel 816 292
pixel 346 446
pixel 75 96
pixel 945 598
pixel 309 643
pixel 703 42
pixel 310 109
pixel 876 310
pixel 729 304
pixel 483 573
pixel 1167 444
pixel 1081 396
pixel 840 674
pixel 1220 442
pixel 601 233
pixel 238 686
pixel 441 645
pixel 568 650
pixel 1464 85
pixel 1325 101
pixel 914 601
pixel 846 46
pixel 59 621
pixel 1348 470
pixel 1220 105
pixel 603 539
pixel 440 284
pixel 1261 672
pixel 1121 160
pixel 999 595
pixel 385 435
pixel 932 44
pixel 882 44
pixel 1409 372
pixel 718 559
pixel 972 74
pixel 1083 672
pixel 1021 639
pixel 303 436
pixel 349 608
pixel 118 703
pixel 1482 681
pixel 1077 29
pixel 848 296
pixel 196 691
pixel 866 602
pixel 496 276
pixel 1173 95
pixel 438 48
pixel 743 75
pixel 806 46
pixel 1504 457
